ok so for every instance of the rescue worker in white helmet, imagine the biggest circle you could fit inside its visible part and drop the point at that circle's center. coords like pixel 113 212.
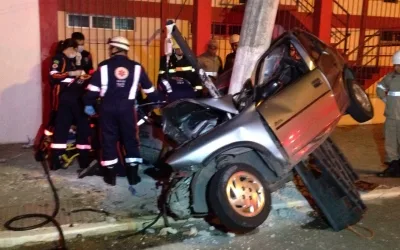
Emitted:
pixel 230 58
pixel 388 90
pixel 178 66
pixel 184 69
pixel 117 82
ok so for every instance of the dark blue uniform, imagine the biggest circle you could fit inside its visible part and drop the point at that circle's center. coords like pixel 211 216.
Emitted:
pixel 117 81
pixel 68 107
pixel 176 88
pixel 180 68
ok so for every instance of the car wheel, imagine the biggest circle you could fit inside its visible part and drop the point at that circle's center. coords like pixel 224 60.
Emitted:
pixel 360 108
pixel 239 197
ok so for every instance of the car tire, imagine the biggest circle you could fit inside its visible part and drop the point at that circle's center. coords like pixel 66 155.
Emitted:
pixel 227 208
pixel 360 108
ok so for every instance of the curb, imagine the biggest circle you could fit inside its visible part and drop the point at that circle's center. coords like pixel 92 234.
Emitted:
pixel 48 234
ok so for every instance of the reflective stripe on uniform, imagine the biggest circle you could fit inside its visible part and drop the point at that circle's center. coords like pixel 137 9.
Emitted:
pixel 133 160
pixel 104 79
pixel 53 72
pixel 108 163
pixel 93 88
pixel 58 146
pixel 394 93
pixel 199 87
pixel 140 122
pixel 68 80
pixel 169 71
pixel 381 87
pixel 136 77
pixel 167 86
pixel 212 73
pixel 187 68
pixel 148 91
pixel 80 146
pixel 48 133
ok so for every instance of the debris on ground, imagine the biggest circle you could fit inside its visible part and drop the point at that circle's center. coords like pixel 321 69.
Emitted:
pixel 150 231
pixel 212 228
pixel 192 232
pixel 166 230
pixel 231 234
pixel 204 233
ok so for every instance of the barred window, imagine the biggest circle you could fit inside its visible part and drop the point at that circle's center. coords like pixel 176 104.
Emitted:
pixel 78 21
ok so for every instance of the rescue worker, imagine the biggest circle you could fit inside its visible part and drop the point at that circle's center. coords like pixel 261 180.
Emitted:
pixel 230 58
pixel 176 88
pixel 69 86
pixel 210 62
pixel 116 81
pixel 179 67
pixel 83 57
pixel 388 90
pixel 184 69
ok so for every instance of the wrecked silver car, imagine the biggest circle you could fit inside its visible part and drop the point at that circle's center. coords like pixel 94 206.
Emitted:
pixel 229 154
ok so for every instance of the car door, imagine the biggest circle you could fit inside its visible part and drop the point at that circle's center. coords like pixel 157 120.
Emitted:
pixel 302 114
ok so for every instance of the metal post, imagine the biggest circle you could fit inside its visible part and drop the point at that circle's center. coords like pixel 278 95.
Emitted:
pixel 255 38
pixel 322 23
pixel 202 21
pixel 362 42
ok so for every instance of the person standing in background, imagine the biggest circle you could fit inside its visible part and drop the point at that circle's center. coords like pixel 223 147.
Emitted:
pixel 388 90
pixel 83 58
pixel 230 58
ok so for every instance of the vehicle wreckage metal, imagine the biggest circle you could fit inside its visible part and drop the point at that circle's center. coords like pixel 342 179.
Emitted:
pixel 228 154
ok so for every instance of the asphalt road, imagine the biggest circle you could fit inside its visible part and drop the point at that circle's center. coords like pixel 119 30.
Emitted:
pixel 284 229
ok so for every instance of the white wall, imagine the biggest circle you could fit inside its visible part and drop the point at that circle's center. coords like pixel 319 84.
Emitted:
pixel 20 70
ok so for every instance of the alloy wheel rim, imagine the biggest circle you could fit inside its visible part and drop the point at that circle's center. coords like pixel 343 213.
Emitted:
pixel 245 194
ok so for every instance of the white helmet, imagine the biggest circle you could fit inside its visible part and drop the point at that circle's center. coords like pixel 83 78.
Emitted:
pixel 234 38
pixel 119 42
pixel 396 58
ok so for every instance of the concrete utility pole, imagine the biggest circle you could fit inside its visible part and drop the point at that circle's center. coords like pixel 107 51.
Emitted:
pixel 255 38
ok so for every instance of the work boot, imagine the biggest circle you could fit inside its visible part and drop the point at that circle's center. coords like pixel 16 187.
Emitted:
pixel 56 161
pixel 120 169
pixel 132 174
pixel 393 170
pixel 110 175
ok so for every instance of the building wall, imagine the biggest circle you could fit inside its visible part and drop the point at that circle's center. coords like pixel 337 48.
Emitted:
pixel 144 39
pixel 20 90
pixel 20 87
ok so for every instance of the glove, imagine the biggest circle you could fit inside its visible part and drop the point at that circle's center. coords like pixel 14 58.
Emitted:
pixel 78 58
pixel 75 73
pixel 89 110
